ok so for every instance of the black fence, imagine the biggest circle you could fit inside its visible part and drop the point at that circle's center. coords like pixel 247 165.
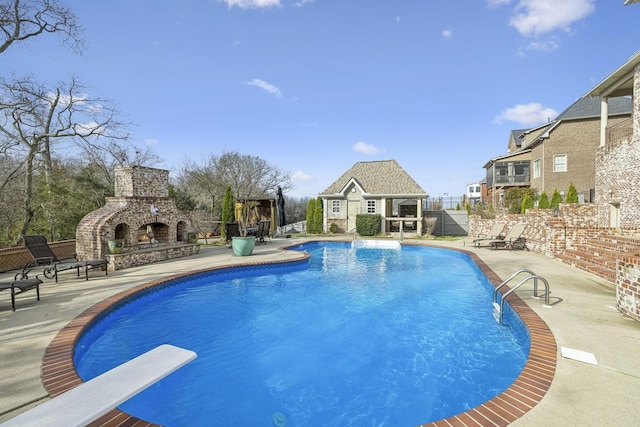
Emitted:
pixel 446 202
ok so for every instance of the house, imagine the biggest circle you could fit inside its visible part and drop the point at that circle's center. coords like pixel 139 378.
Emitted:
pixel 506 172
pixel 618 152
pixel 563 151
pixel 474 192
pixel 377 187
pixel 555 154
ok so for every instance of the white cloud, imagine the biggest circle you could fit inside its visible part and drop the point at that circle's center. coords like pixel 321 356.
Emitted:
pixel 274 90
pixel 302 3
pixel 497 3
pixel 251 4
pixel 301 176
pixel 535 17
pixel 544 45
pixel 364 148
pixel 529 114
pixel 448 33
pixel 150 142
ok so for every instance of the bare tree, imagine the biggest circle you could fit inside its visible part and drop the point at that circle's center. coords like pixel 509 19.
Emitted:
pixel 35 121
pixel 23 19
pixel 248 176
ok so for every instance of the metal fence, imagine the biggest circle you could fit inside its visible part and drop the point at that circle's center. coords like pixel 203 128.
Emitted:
pixel 446 202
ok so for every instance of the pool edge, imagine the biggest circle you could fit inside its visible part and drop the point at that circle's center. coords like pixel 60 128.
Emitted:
pixel 59 374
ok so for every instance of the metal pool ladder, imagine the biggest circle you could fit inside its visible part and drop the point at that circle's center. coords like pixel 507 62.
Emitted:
pixel 498 309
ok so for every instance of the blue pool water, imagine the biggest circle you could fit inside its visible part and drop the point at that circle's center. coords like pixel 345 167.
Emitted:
pixel 350 337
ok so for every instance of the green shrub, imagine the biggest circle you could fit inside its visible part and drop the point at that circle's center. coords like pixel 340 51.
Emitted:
pixel 556 199
pixel 318 217
pixel 333 227
pixel 368 224
pixel 543 201
pixel 527 203
pixel 572 194
pixel 311 207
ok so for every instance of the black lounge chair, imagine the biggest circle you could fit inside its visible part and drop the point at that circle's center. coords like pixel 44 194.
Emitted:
pixel 231 229
pixel 20 286
pixel 264 227
pixel 43 256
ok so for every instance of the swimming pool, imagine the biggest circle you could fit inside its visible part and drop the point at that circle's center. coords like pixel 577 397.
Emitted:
pixel 318 340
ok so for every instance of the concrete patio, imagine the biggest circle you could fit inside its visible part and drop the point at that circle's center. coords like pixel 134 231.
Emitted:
pixel 583 317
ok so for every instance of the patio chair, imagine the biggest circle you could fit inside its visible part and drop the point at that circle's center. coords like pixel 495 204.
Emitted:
pixel 232 229
pixel 20 286
pixel 496 233
pixel 264 228
pixel 43 256
pixel 512 240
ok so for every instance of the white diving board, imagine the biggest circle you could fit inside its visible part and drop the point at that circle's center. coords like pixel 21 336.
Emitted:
pixel 375 244
pixel 94 398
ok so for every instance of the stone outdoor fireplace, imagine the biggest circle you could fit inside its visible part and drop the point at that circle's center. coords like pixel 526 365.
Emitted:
pixel 141 220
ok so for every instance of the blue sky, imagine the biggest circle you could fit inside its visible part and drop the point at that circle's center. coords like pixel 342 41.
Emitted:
pixel 314 86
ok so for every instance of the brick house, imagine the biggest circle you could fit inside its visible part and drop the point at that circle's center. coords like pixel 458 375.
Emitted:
pixel 555 154
pixel 563 152
pixel 378 187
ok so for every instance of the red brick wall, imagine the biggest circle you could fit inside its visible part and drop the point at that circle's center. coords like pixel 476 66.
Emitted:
pixel 17 257
pixel 546 234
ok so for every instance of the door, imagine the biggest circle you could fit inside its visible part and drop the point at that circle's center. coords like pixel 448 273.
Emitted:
pixel 614 215
pixel 353 209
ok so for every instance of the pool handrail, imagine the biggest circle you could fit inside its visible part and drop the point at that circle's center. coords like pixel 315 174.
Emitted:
pixel 500 307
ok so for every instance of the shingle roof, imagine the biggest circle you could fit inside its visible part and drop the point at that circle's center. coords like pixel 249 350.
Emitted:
pixel 590 107
pixel 384 177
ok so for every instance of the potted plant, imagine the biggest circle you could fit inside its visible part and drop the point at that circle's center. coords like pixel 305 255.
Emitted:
pixel 244 245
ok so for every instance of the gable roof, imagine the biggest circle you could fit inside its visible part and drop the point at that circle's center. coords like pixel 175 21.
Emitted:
pixel 590 108
pixel 583 108
pixel 383 177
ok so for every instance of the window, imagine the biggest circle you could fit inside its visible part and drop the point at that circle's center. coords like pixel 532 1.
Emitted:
pixel 477 189
pixel 560 163
pixel 371 206
pixel 335 206
pixel 536 168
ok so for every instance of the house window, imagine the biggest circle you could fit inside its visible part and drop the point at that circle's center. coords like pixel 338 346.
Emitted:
pixel 536 168
pixel 560 163
pixel 371 206
pixel 335 206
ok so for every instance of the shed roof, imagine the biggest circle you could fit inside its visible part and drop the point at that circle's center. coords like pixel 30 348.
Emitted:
pixel 618 83
pixel 383 177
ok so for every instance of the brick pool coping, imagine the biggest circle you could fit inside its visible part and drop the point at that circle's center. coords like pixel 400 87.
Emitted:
pixel 59 374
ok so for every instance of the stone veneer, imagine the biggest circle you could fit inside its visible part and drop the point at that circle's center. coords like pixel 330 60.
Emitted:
pixel 617 172
pixel 148 236
pixel 628 285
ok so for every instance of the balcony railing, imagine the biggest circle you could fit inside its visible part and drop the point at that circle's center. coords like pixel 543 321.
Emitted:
pixel 513 179
pixel 621 131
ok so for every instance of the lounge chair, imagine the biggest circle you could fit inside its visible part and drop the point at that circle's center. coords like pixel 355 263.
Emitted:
pixel 496 233
pixel 512 240
pixel 264 227
pixel 20 286
pixel 43 256
pixel 231 229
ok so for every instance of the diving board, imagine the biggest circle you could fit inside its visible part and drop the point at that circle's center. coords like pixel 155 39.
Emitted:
pixel 94 398
pixel 375 244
